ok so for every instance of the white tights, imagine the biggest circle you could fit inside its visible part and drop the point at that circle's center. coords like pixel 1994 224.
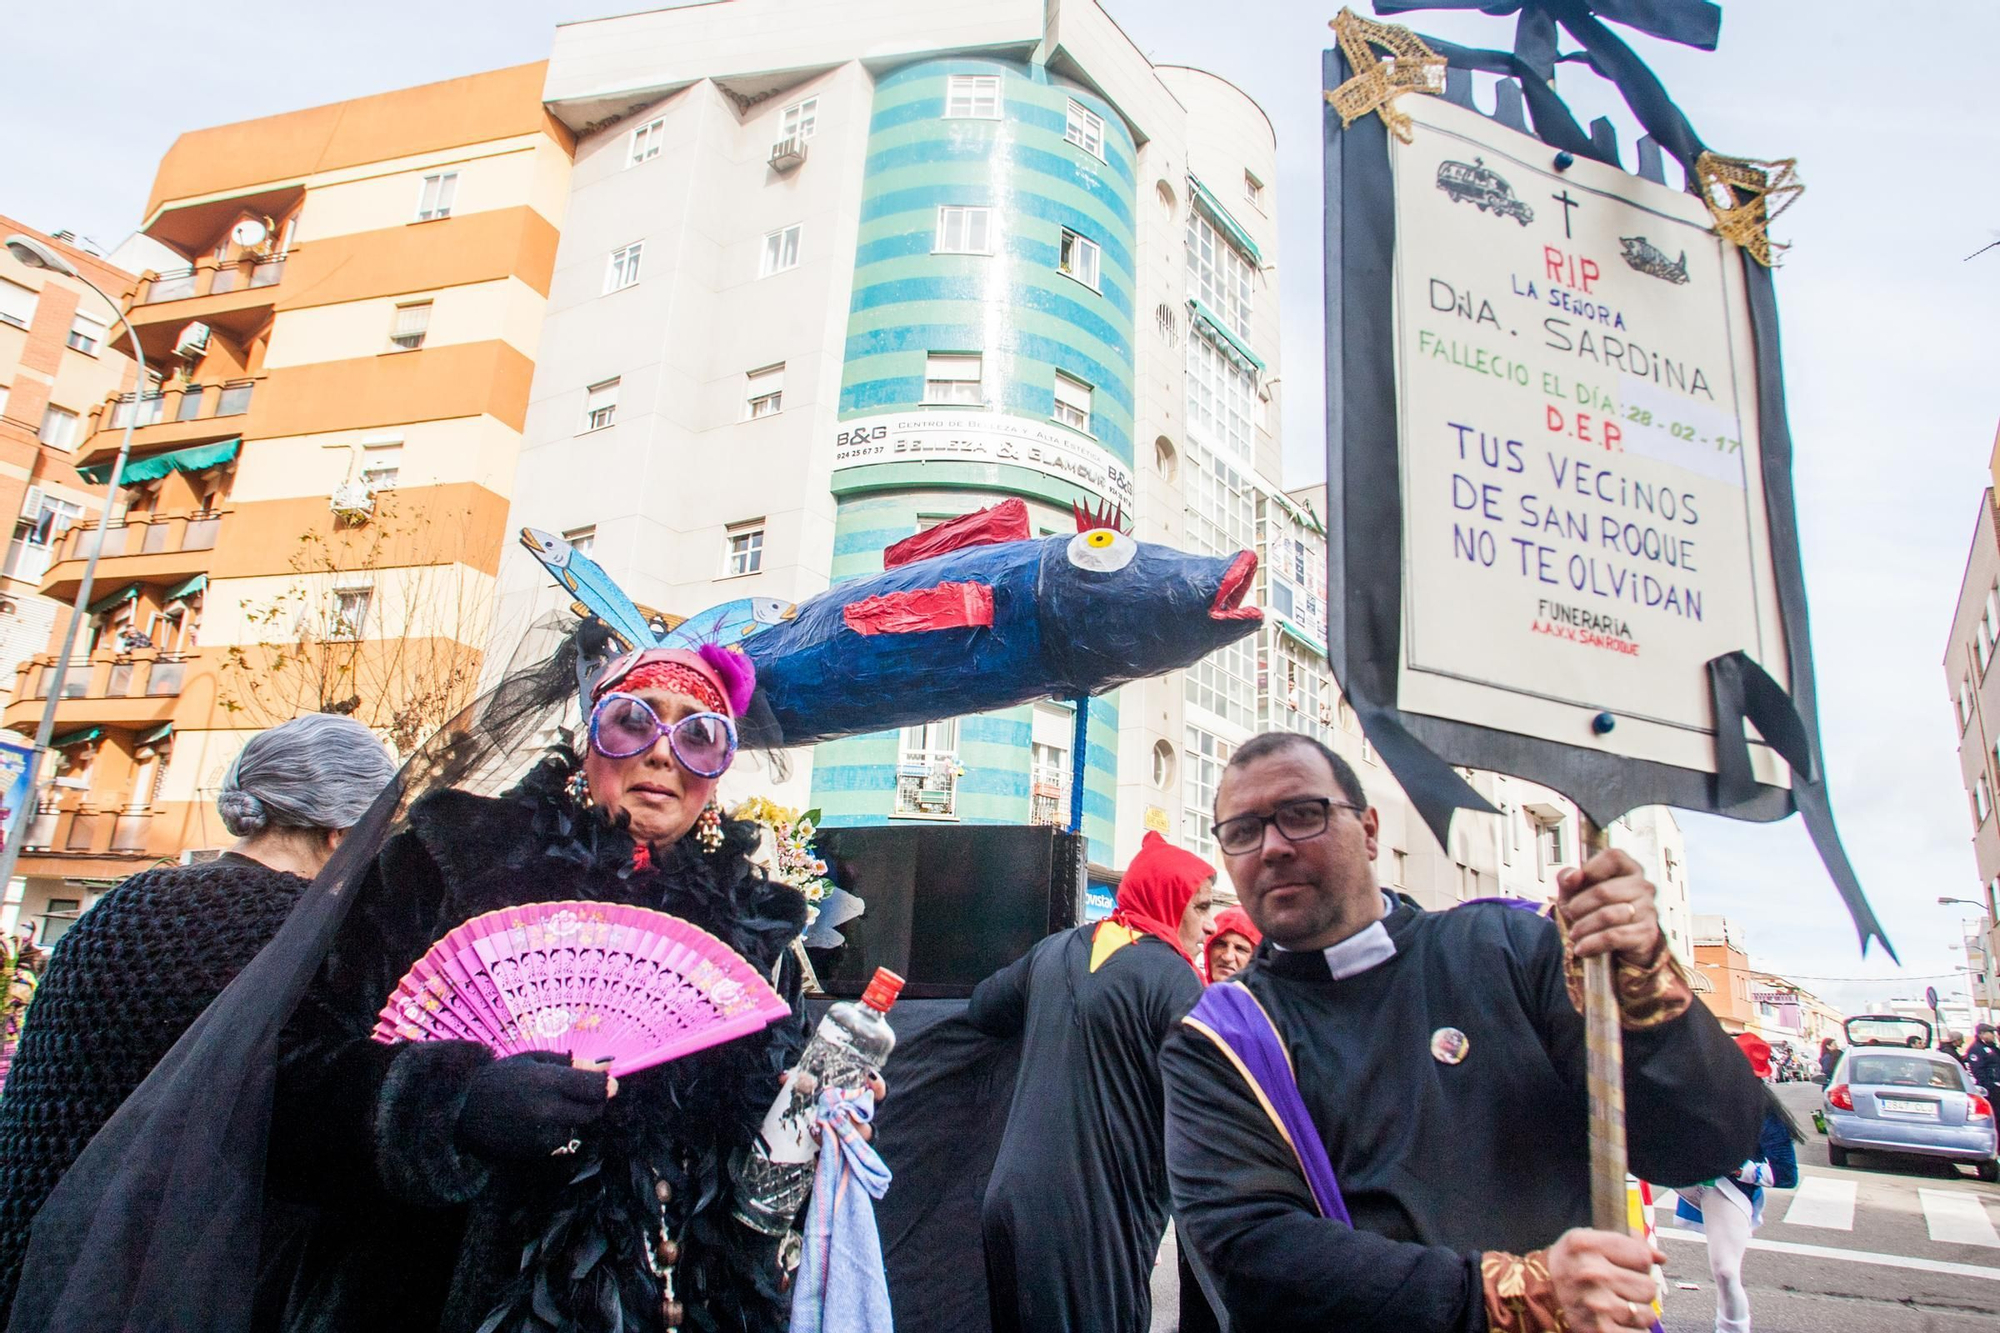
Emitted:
pixel 1728 1238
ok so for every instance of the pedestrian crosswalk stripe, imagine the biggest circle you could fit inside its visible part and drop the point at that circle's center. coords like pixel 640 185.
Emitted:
pixel 1957 1219
pixel 1851 1256
pixel 1822 1202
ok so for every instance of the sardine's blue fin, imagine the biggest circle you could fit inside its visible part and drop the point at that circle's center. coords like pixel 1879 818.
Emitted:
pixel 728 623
pixel 581 576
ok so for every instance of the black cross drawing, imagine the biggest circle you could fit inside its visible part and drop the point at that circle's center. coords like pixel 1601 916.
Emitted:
pixel 1567 203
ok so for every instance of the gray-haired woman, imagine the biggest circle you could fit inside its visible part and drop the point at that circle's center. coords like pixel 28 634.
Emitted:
pixel 143 963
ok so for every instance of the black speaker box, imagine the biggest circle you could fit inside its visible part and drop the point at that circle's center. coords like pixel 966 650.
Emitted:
pixel 948 904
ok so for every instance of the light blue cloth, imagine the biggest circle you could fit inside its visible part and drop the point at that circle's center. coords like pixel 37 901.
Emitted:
pixel 841 1285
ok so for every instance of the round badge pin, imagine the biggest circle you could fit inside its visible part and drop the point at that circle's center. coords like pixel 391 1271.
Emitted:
pixel 1449 1045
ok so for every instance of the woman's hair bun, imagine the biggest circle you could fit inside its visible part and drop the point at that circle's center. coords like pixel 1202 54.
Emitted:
pixel 242 814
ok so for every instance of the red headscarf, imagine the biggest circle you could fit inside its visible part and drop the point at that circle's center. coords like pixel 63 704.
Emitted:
pixel 1757 1051
pixel 1229 921
pixel 1157 888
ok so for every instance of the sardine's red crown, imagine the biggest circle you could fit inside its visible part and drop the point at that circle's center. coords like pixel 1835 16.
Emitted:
pixel 1104 517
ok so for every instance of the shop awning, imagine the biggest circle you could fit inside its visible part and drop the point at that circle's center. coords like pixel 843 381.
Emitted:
pixel 125 594
pixel 1212 208
pixel 185 589
pixel 1286 624
pixel 1225 337
pixel 69 738
pixel 156 735
pixel 198 458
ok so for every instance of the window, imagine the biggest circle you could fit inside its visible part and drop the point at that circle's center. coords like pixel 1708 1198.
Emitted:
pixel 1163 765
pixel 87 333
pixel 955 378
pixel 646 141
pixel 1204 758
pixel 972 97
pixel 36 534
pixel 1085 129
pixel 1072 403
pixel 801 120
pixel 1549 843
pixel 1982 800
pixel 1964 702
pixel 764 391
pixel 1079 258
pixel 381 465
pixel 438 192
pixel 743 549
pixel 350 613
pixel 17 304
pixel 62 913
pixel 1219 274
pixel 623 268
pixel 412 322
pixel 582 539
pixel 964 231
pixel 58 427
pixel 1982 645
pixel 1989 624
pixel 1253 190
pixel 600 405
pixel 3 400
pixel 927 770
pixel 1219 397
pixel 235 398
pixel 781 251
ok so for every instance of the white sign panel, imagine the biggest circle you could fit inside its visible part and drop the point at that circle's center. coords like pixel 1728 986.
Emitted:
pixel 1584 521
pixel 949 436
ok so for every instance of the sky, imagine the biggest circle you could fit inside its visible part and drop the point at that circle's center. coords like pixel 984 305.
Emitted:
pixel 1888 332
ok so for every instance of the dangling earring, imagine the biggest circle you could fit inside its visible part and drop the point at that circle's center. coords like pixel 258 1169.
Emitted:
pixel 708 826
pixel 578 788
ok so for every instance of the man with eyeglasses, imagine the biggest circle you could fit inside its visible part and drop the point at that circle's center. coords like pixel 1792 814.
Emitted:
pixel 1381 1123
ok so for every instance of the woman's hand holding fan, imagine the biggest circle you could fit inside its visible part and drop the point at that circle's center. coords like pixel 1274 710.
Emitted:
pixel 597 983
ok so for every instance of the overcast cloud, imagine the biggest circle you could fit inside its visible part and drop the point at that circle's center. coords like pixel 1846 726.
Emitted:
pixel 1888 332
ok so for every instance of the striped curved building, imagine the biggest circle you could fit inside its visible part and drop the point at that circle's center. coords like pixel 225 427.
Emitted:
pixel 834 271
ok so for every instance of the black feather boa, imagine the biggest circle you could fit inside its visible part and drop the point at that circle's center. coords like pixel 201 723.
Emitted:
pixel 578 1235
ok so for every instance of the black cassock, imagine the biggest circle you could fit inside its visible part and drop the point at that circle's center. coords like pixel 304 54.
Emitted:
pixel 1437 1161
pixel 1071 1216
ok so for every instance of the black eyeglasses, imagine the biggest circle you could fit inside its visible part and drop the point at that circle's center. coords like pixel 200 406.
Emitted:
pixel 1299 821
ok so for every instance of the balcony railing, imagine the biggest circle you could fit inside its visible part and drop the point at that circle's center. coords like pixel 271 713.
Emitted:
pixel 181 403
pixel 927 783
pixel 1048 796
pixel 115 677
pixel 129 833
pixel 150 534
pixel 206 279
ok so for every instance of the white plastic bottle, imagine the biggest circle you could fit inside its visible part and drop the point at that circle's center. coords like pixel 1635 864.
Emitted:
pixel 853 1041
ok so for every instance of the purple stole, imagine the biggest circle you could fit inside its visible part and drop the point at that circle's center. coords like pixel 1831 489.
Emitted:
pixel 1230 1016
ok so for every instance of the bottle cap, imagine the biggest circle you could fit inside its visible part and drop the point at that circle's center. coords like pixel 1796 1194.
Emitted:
pixel 882 990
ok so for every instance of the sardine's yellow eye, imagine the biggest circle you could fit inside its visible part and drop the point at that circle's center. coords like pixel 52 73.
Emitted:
pixel 1103 550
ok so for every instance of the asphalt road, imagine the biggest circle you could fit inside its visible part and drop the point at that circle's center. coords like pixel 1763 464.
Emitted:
pixel 1868 1263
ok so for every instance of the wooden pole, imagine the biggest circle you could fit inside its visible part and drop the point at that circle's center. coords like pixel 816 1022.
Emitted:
pixel 1604 1047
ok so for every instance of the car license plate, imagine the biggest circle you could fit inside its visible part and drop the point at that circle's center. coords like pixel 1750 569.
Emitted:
pixel 1899 1106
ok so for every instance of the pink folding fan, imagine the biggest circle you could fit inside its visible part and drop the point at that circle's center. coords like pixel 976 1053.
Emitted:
pixel 596 981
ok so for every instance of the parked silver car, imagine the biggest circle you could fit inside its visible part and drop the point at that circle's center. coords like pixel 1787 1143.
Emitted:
pixel 1909 1100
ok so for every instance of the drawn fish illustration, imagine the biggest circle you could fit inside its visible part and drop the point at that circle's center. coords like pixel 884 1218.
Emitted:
pixel 978 614
pixel 1649 259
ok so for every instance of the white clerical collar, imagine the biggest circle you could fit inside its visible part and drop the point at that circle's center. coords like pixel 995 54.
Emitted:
pixel 1362 950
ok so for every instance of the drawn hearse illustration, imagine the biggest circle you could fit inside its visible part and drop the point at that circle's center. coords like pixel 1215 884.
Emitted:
pixel 1476 183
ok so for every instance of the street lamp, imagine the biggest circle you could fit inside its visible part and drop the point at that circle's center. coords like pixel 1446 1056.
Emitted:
pixel 36 254
pixel 1986 972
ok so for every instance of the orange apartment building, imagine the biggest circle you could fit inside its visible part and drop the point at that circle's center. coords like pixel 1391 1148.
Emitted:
pixel 316 500
pixel 56 363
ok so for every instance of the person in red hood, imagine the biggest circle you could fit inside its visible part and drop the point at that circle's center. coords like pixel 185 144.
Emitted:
pixel 1077 1203
pixel 1232 944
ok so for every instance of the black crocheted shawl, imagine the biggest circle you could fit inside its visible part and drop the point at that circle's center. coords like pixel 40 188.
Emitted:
pixel 122 986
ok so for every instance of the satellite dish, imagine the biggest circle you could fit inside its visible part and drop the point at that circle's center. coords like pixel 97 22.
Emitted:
pixel 249 233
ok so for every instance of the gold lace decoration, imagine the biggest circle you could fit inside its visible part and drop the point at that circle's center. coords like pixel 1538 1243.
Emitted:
pixel 1411 67
pixel 1744 194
